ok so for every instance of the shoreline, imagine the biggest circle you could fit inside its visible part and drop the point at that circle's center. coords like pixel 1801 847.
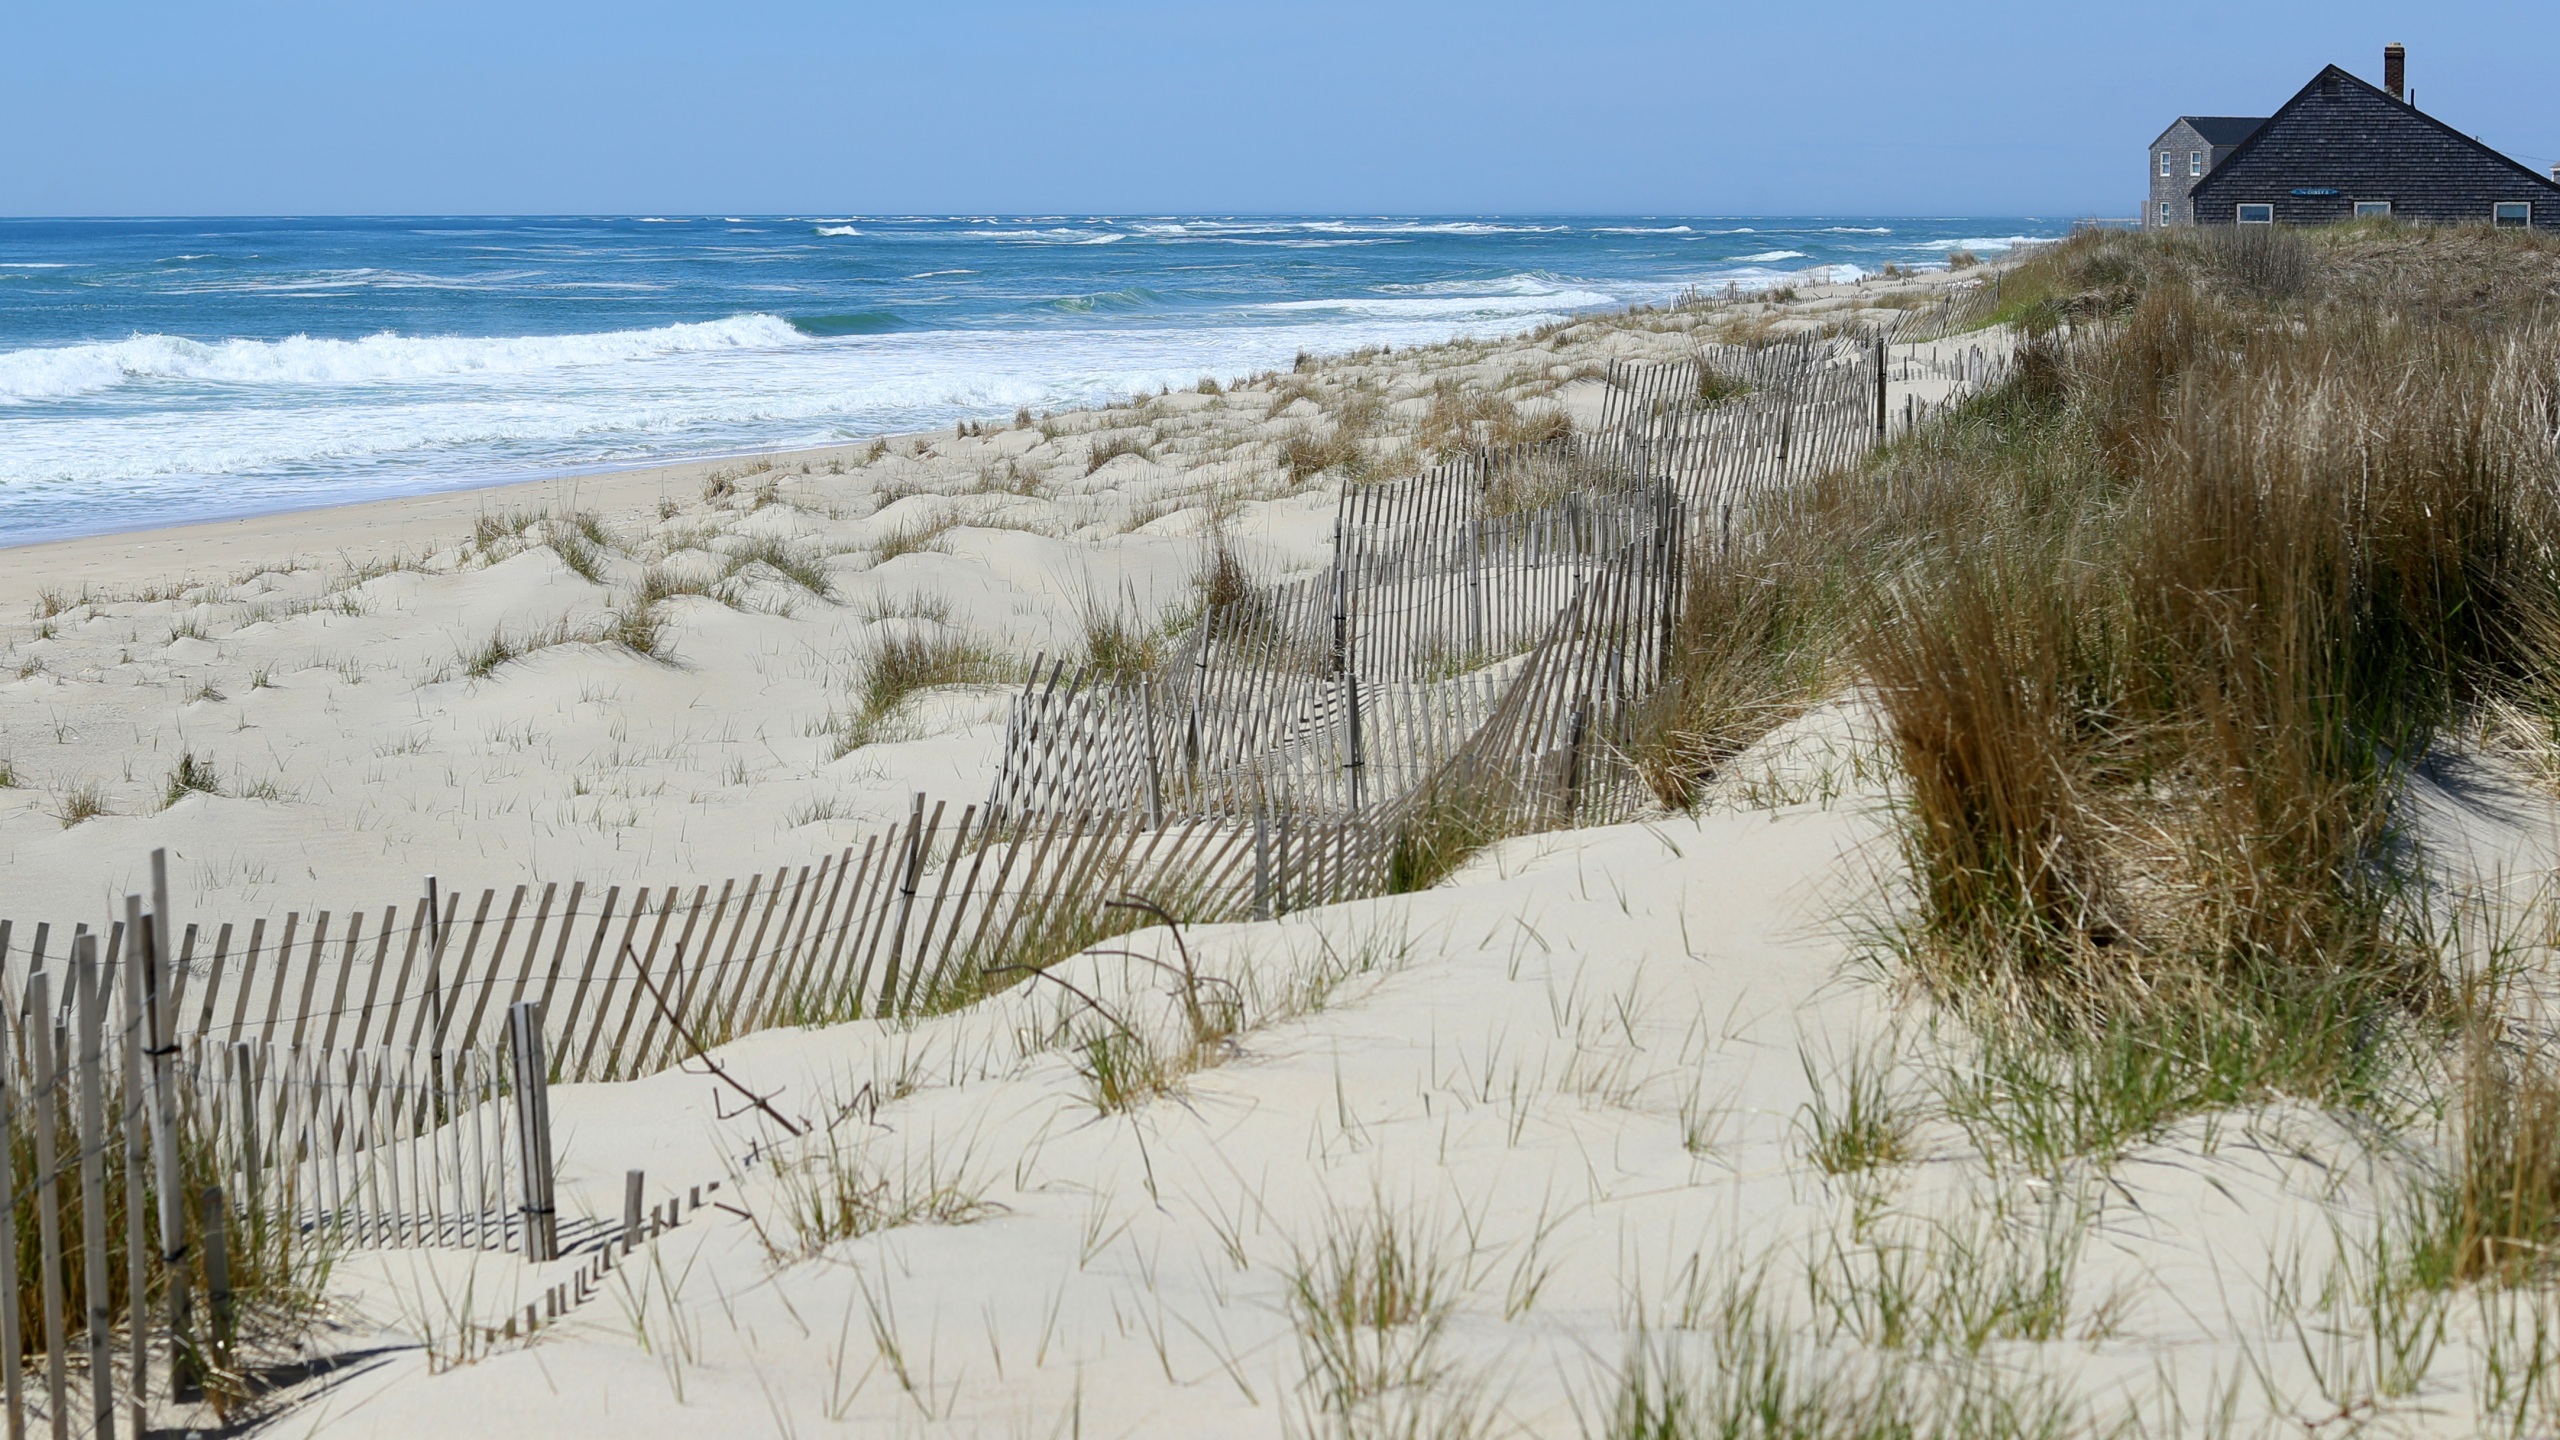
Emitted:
pixel 433 677
pixel 153 544
pixel 376 529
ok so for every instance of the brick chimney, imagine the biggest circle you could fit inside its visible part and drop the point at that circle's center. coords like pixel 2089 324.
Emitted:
pixel 2395 70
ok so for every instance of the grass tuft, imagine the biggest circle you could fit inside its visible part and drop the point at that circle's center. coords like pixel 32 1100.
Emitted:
pixel 897 669
pixel 1865 1124
pixel 1102 451
pixel 1370 1300
pixel 799 565
pixel 191 777
pixel 832 1192
pixel 85 801
pixel 920 538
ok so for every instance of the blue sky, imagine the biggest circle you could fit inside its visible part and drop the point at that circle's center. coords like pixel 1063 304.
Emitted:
pixel 1606 106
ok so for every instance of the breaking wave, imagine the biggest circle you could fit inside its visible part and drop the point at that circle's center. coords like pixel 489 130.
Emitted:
pixel 63 371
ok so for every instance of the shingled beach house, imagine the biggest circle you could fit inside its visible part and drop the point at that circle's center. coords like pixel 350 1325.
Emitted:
pixel 2341 149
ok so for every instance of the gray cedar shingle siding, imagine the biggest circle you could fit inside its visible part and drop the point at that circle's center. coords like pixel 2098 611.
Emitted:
pixel 2343 135
pixel 2211 136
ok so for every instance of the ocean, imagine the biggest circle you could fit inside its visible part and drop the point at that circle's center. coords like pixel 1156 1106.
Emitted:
pixel 154 372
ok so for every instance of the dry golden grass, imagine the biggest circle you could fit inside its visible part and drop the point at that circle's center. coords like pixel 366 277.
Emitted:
pixel 2157 632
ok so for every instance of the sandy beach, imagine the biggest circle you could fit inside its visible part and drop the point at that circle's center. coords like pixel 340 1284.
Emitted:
pixel 319 663
pixel 1508 1155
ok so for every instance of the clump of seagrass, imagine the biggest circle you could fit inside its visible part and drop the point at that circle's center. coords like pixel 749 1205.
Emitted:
pixel 1122 1062
pixel 898 667
pixel 1751 650
pixel 2496 1211
pixel 2198 589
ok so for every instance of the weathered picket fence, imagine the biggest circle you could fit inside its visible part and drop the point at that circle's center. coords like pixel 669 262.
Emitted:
pixel 92 1212
pixel 630 982
pixel 142 1165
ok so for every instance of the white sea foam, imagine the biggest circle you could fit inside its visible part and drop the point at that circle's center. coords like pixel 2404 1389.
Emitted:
pixel 1056 236
pixel 1204 228
pixel 1996 242
pixel 62 371
pixel 837 230
pixel 330 445
pixel 1519 296
pixel 1642 230
pixel 1769 257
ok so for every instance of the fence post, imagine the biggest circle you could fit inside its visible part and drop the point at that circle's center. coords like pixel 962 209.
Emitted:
pixel 137 1281
pixel 1281 902
pixel 435 962
pixel 244 1090
pixel 1475 591
pixel 634 1185
pixel 101 1315
pixel 185 1374
pixel 533 1129
pixel 1356 761
pixel 11 1348
pixel 46 1094
pixel 1880 387
pixel 1262 862
pixel 1155 785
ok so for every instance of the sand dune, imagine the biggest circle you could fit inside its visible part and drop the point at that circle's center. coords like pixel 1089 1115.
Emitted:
pixel 327 670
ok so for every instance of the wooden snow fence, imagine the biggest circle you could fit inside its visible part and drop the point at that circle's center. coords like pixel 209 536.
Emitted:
pixel 94 1228
pixel 629 981
pixel 1497 618
pixel 1334 695
pixel 1233 729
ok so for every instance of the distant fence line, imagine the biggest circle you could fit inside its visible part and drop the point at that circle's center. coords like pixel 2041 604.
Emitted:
pixel 629 981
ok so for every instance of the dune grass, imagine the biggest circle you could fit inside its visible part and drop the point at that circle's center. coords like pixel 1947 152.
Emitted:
pixel 2158 632
pixel 924 537
pixel 799 564
pixel 84 801
pixel 190 776
pixel 1102 450
pixel 830 1188
pixel 2156 704
pixel 898 667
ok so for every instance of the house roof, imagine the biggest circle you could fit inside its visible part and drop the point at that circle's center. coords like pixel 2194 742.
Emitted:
pixel 2224 129
pixel 2330 74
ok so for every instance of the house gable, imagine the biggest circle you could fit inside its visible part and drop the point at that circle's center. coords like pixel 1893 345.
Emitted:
pixel 2181 155
pixel 2340 140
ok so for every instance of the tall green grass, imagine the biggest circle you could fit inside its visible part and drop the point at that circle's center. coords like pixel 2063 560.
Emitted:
pixel 2230 565
pixel 2157 633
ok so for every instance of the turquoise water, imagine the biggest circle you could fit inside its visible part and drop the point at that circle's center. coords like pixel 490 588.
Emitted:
pixel 156 371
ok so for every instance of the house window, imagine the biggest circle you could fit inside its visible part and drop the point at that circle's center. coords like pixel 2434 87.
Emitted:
pixel 2513 214
pixel 2373 209
pixel 2257 215
pixel 2164 214
pixel 2164 164
pixel 2195 163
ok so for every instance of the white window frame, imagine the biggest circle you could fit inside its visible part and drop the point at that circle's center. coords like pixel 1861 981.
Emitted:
pixel 2498 214
pixel 2240 213
pixel 2164 214
pixel 2164 164
pixel 2195 164
pixel 2373 209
